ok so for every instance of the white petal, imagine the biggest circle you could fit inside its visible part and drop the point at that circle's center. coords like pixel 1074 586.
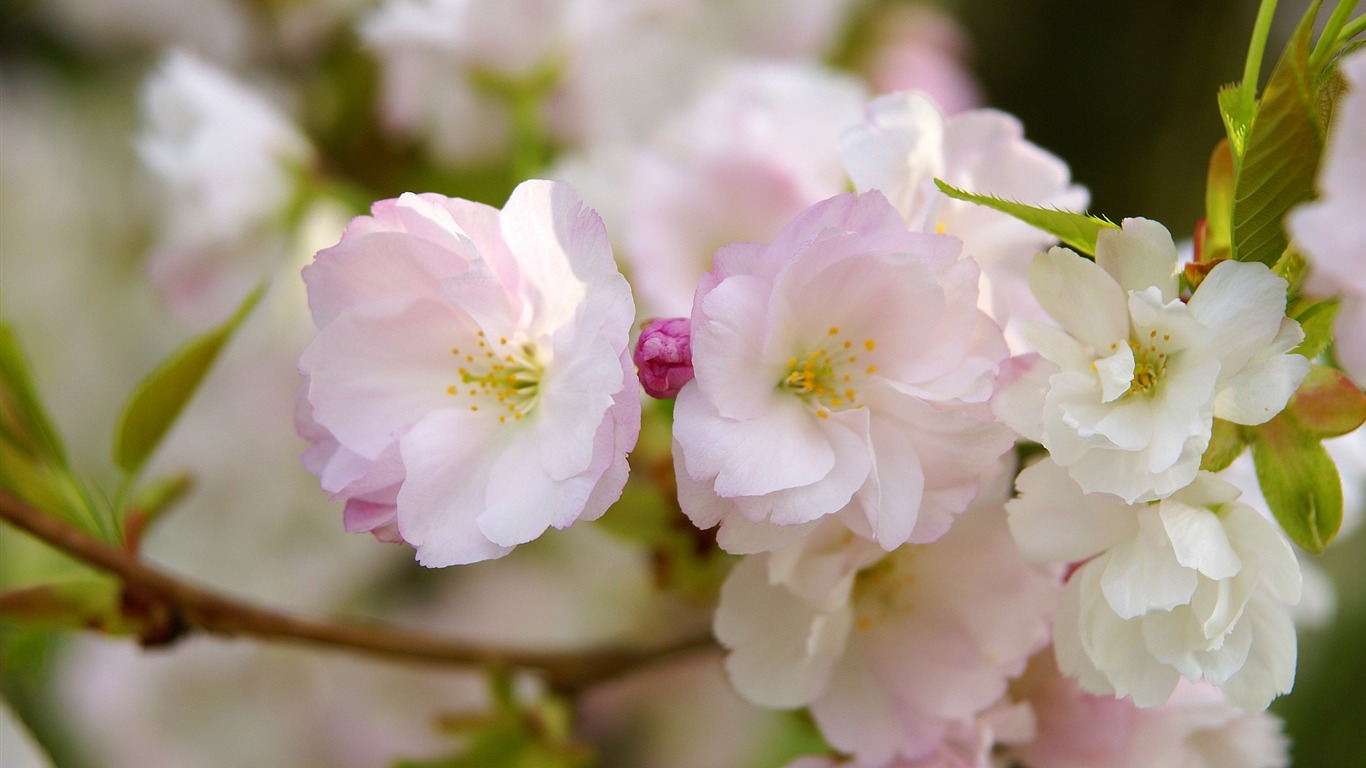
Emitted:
pixel 1270 666
pixel 1054 522
pixel 1143 574
pixel 1243 303
pixel 1085 301
pixel 898 149
pixel 1138 255
pixel 782 649
pixel 1116 373
pixel 1198 538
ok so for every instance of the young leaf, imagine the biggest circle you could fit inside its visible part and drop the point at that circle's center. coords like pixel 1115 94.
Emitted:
pixel 1226 443
pixel 1328 404
pixel 1218 232
pixel 1237 112
pixel 159 398
pixel 1299 480
pixel 1316 318
pixel 24 422
pixel 1282 154
pixel 1076 230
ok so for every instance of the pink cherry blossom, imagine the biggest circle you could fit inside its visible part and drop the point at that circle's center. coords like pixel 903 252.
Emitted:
pixel 842 367
pixel 905 142
pixel 470 384
pixel 1196 727
pixel 736 165
pixel 893 653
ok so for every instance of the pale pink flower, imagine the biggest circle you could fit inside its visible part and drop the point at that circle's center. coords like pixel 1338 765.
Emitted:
pixel 1197 586
pixel 905 143
pixel 1195 728
pixel 432 53
pixel 227 161
pixel 736 165
pixel 1128 387
pixel 1331 230
pixel 841 367
pixel 470 384
pixel 891 652
pixel 920 48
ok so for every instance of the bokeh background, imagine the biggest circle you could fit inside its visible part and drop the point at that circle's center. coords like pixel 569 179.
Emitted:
pixel 1124 92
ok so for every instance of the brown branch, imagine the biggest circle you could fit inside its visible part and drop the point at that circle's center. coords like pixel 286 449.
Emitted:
pixel 196 608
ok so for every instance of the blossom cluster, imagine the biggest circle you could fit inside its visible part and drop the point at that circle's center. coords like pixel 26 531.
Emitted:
pixel 965 470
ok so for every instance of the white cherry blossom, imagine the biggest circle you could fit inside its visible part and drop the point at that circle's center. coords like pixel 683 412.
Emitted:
pixel 1197 586
pixel 1128 386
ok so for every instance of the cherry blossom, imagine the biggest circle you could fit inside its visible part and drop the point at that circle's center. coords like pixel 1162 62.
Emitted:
pixel 1127 389
pixel 227 160
pixel 905 143
pixel 1197 586
pixel 470 382
pixel 892 652
pixel 736 165
pixel 844 366
pixel 1195 728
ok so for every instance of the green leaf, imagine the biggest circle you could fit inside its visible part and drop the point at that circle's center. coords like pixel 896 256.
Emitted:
pixel 1076 230
pixel 1218 232
pixel 1328 404
pixel 1316 318
pixel 73 604
pixel 1299 480
pixel 1282 154
pixel 1226 443
pixel 23 420
pixel 159 398
pixel 150 503
pixel 1237 112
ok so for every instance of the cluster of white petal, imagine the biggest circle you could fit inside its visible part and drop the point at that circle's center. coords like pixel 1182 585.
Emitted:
pixel 1197 585
pixel 227 161
pixel 1132 378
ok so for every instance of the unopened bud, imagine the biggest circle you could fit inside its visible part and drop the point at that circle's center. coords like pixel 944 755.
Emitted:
pixel 664 356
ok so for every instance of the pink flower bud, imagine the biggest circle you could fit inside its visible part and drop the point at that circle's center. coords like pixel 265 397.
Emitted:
pixel 664 356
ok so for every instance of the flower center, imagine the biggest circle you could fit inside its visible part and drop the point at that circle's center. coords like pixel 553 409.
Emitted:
pixel 503 378
pixel 1150 361
pixel 826 376
pixel 885 589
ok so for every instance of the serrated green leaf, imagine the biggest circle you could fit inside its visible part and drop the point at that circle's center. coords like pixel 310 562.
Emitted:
pixel 24 422
pixel 1282 154
pixel 1299 480
pixel 1328 404
pixel 1076 230
pixel 1226 443
pixel 1237 112
pixel 1316 318
pixel 159 398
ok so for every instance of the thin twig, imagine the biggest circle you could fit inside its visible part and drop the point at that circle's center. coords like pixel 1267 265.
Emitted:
pixel 197 608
